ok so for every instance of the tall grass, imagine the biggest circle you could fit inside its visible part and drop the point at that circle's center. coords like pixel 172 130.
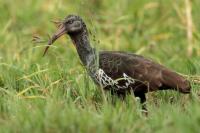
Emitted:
pixel 54 93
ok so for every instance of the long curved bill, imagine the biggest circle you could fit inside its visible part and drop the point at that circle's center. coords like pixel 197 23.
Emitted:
pixel 61 31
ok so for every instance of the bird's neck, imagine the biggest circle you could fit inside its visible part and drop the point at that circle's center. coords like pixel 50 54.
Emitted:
pixel 85 51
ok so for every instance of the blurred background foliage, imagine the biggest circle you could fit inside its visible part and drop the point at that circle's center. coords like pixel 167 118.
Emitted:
pixel 156 29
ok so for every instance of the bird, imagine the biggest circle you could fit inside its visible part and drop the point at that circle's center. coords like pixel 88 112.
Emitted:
pixel 119 72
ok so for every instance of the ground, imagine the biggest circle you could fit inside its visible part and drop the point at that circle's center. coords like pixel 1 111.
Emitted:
pixel 54 93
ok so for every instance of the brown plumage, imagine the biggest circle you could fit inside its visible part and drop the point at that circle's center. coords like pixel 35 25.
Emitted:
pixel 119 72
pixel 153 75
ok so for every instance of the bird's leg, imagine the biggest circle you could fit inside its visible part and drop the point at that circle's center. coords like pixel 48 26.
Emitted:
pixel 143 102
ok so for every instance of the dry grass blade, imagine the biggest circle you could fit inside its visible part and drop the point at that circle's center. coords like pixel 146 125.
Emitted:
pixel 25 90
pixel 188 9
pixel 5 91
pixel 55 82
pixel 33 74
pixel 57 23
pixel 194 78
pixel 33 97
pixel 37 39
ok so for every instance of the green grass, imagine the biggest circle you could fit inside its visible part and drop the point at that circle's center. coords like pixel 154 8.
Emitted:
pixel 54 93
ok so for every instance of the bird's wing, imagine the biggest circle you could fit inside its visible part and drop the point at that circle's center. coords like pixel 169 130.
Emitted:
pixel 115 64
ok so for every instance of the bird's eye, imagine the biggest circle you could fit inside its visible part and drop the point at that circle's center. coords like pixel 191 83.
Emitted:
pixel 70 22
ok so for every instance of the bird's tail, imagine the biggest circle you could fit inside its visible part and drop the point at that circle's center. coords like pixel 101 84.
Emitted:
pixel 176 81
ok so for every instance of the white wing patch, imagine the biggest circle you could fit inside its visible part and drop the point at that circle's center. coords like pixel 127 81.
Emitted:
pixel 104 80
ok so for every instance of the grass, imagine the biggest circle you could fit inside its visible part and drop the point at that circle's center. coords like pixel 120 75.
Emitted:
pixel 54 93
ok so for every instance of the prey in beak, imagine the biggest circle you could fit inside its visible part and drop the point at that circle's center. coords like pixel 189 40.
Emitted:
pixel 61 31
pixel 70 25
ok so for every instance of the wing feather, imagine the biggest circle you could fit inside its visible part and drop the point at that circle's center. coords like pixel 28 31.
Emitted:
pixel 157 76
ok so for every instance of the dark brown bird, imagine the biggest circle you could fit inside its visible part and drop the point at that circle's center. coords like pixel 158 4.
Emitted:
pixel 119 72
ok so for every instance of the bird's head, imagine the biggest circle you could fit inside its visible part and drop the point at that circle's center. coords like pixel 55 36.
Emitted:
pixel 71 25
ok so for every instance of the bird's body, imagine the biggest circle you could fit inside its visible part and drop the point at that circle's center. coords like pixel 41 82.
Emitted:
pixel 120 72
pixel 143 71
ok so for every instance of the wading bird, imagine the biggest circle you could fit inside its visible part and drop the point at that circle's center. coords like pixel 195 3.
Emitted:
pixel 117 71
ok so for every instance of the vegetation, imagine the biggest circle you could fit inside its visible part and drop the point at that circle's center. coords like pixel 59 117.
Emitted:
pixel 54 93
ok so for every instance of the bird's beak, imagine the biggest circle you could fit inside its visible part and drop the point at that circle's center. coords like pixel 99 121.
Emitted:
pixel 61 31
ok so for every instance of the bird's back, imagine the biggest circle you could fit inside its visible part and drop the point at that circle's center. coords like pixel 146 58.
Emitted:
pixel 125 71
